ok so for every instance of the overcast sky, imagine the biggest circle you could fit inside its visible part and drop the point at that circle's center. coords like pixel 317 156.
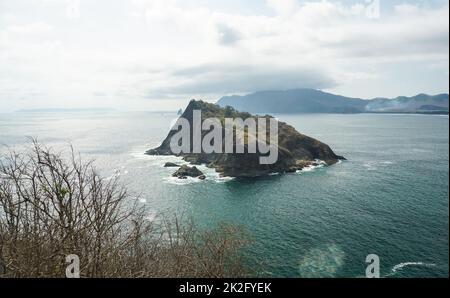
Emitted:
pixel 157 54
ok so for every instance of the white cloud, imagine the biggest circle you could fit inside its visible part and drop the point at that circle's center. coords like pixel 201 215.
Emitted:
pixel 283 7
pixel 161 49
pixel 32 28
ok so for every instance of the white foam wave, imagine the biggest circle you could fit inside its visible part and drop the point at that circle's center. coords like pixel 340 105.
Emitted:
pixel 177 181
pixel 219 179
pixel 405 264
pixel 373 165
pixel 318 164
pixel 160 160
pixel 212 175
pixel 400 266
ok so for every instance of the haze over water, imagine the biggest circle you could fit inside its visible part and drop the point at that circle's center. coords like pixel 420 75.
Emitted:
pixel 390 198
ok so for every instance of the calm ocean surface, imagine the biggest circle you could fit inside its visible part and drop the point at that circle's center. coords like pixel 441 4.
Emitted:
pixel 390 198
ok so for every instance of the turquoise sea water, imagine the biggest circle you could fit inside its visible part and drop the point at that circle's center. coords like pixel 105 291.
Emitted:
pixel 390 198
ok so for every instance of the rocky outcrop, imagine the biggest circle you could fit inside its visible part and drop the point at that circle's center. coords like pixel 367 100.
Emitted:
pixel 171 165
pixel 295 150
pixel 186 171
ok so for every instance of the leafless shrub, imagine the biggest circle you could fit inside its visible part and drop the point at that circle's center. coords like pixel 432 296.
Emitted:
pixel 51 207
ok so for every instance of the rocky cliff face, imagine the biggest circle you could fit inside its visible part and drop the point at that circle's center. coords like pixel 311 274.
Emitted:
pixel 295 150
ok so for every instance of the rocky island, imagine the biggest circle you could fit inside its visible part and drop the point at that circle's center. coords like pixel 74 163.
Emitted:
pixel 295 150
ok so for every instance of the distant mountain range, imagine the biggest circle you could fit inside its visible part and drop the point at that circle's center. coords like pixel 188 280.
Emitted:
pixel 316 101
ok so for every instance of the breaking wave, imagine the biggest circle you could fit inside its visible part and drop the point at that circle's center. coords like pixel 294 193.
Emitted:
pixel 400 266
pixel 177 181
pixel 318 164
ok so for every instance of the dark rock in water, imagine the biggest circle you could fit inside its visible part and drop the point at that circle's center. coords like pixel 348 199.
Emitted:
pixel 295 150
pixel 202 177
pixel 171 165
pixel 316 101
pixel 187 171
